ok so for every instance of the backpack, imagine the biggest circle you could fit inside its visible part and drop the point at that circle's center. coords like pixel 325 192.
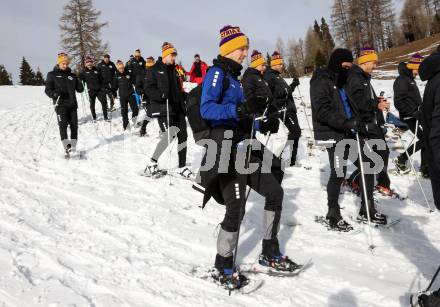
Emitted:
pixel 199 126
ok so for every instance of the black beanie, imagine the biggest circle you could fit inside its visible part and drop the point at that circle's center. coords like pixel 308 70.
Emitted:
pixel 338 57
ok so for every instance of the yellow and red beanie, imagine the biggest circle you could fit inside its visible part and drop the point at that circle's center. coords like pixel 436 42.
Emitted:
pixel 62 56
pixel 257 59
pixel 88 60
pixel 149 62
pixel 167 49
pixel 415 61
pixel 231 39
pixel 368 54
pixel 276 59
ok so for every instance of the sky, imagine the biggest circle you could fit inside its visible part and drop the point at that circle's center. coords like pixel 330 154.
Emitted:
pixel 30 28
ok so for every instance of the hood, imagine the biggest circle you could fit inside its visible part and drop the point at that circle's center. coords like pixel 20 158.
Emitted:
pixel 404 71
pixel 430 67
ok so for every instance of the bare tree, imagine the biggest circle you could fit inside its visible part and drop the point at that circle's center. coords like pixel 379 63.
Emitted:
pixel 414 20
pixel 81 31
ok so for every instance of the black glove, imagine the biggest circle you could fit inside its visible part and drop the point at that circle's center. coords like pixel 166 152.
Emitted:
pixel 295 83
pixel 417 114
pixel 247 109
pixel 357 125
pixel 270 125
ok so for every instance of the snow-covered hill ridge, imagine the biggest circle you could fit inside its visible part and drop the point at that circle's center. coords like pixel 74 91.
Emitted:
pixel 94 233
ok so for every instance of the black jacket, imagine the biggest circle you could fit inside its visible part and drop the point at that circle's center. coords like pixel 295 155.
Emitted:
pixel 364 102
pixel 407 98
pixel 63 83
pixel 281 91
pixel 256 89
pixel 107 71
pixel 163 83
pixel 93 79
pixel 328 112
pixel 124 83
pixel 141 85
pixel 430 118
pixel 135 67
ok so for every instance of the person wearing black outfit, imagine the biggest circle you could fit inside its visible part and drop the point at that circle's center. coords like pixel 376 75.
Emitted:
pixel 407 100
pixel 282 98
pixel 164 87
pixel 108 70
pixel 136 65
pixel 61 85
pixel 430 119
pixel 230 119
pixel 332 123
pixel 124 82
pixel 96 87
pixel 365 105
pixel 141 84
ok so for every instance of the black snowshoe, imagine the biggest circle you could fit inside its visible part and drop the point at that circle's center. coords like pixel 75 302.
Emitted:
pixel 334 224
pixel 279 263
pixel 375 218
pixel 426 299
pixel 230 279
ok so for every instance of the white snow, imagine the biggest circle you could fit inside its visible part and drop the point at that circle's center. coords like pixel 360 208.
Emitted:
pixel 95 233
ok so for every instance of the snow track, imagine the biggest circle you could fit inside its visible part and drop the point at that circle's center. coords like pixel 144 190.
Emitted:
pixel 94 233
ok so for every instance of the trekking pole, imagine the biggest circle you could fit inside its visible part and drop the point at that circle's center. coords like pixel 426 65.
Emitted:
pixel 364 190
pixel 45 131
pixel 433 279
pixel 243 200
pixel 169 137
pixel 415 137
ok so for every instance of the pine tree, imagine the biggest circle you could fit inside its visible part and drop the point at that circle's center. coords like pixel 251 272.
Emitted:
pixel 267 58
pixel 27 75
pixel 39 79
pixel 5 77
pixel 320 59
pixel 414 20
pixel 327 38
pixel 81 31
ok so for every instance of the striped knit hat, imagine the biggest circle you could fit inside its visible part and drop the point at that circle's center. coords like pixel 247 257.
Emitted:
pixel 368 54
pixel 231 39
pixel 276 59
pixel 415 61
pixel 88 60
pixel 62 56
pixel 149 62
pixel 167 49
pixel 257 59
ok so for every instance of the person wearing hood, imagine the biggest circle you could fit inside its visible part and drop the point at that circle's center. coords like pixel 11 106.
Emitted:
pixel 164 87
pixel 283 99
pixel 62 85
pixel 367 108
pixel 333 122
pixel 430 119
pixel 407 100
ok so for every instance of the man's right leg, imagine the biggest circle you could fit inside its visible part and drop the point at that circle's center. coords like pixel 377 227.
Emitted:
pixel 92 105
pixel 63 123
pixel 124 111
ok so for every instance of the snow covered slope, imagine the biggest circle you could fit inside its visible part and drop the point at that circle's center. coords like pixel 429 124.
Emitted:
pixel 94 233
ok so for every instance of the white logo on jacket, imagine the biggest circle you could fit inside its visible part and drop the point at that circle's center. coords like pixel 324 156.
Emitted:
pixel 96 72
pixel 214 81
pixel 160 72
pixel 70 77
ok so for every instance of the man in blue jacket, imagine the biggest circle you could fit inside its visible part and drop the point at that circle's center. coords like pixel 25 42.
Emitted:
pixel 230 119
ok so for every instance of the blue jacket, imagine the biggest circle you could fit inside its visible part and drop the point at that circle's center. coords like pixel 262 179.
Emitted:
pixel 217 110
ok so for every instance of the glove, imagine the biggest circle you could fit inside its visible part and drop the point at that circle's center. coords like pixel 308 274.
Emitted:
pixel 271 125
pixel 55 95
pixel 247 109
pixel 358 126
pixel 416 115
pixel 295 83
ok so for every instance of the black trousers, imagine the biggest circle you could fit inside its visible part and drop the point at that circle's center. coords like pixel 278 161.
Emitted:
pixel 294 134
pixel 177 121
pixel 102 99
pixel 125 101
pixel 420 145
pixel 67 117
pixel 434 174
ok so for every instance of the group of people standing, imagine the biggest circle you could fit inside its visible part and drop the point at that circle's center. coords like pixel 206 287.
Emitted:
pixel 346 113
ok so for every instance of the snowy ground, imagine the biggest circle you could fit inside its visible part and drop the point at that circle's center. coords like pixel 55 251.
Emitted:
pixel 95 233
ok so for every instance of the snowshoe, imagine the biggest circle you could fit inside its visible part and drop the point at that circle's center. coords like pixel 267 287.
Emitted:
pixel 152 170
pixel 375 218
pixel 278 263
pixel 186 173
pixel 230 279
pixel 387 192
pixel 335 225
pixel 68 151
pixel 142 131
pixel 426 299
